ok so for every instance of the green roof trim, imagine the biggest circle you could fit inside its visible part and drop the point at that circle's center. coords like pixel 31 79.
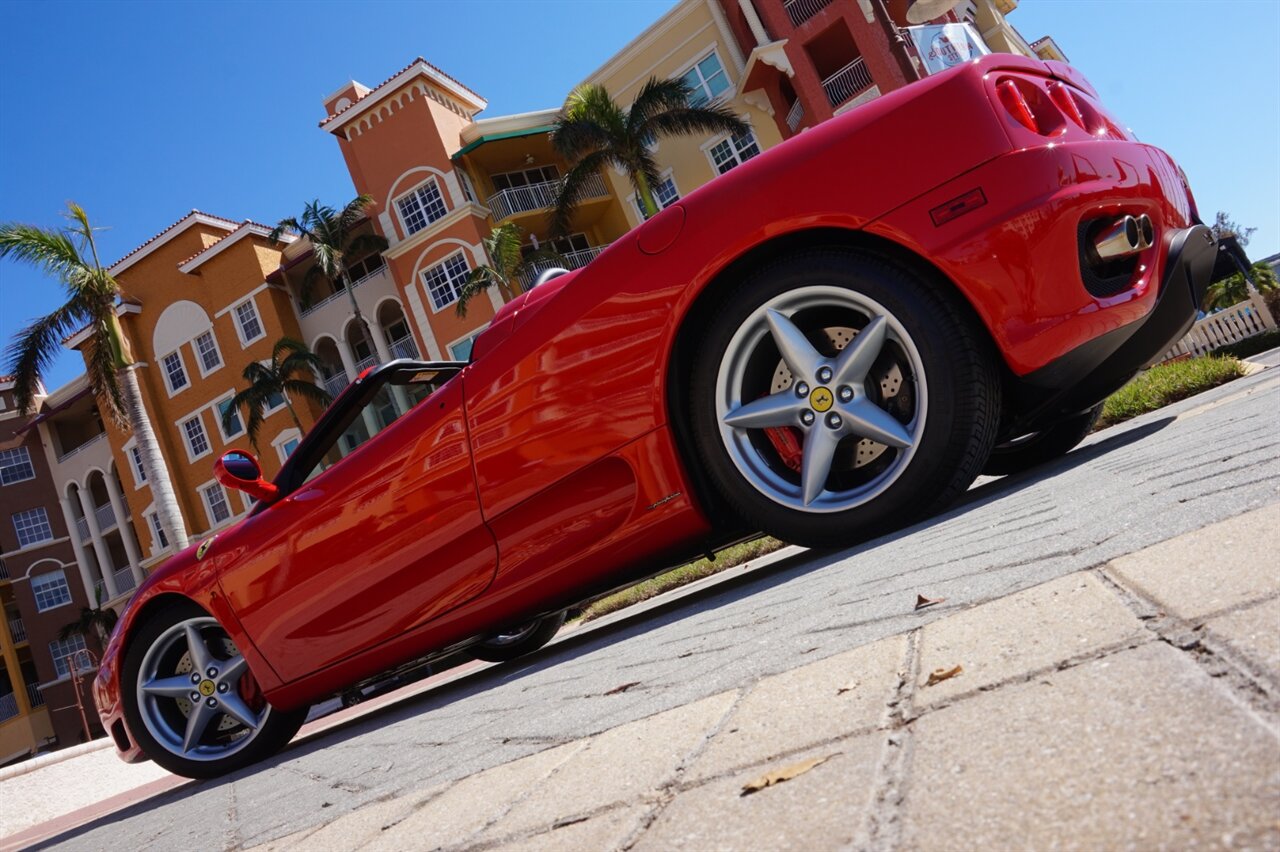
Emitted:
pixel 510 134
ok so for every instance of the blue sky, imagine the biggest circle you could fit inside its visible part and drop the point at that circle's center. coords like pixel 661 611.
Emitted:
pixel 142 111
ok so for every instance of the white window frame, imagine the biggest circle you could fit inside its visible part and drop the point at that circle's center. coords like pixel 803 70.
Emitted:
pixel 66 649
pixel 61 578
pixel 168 380
pixel 235 320
pixel 216 411
pixel 708 146
pixel 712 100
pixel 668 175
pixel 133 456
pixel 290 434
pixel 214 523
pixel 195 348
pixel 444 200
pixel 471 335
pixel 186 439
pixel 13 519
pixel 23 451
pixel 153 525
pixel 426 285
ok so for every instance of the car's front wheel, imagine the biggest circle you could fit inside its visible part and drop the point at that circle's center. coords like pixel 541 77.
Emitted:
pixel 191 701
pixel 837 396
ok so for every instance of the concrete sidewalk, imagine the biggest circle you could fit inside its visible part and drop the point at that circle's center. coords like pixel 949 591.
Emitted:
pixel 1134 705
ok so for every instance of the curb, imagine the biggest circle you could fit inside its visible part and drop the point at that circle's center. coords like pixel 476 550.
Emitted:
pixel 50 758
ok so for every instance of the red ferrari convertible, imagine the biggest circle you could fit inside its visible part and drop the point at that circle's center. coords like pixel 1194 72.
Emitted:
pixel 828 342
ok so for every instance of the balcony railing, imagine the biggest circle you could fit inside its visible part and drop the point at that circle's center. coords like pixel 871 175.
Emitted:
pixel 335 383
pixel 404 348
pixel 106 521
pixel 89 443
pixel 340 292
pixel 795 115
pixel 8 706
pixel 539 196
pixel 124 583
pixel 4 572
pixel 17 630
pixel 34 695
pixel 847 83
pixel 800 11
pixel 365 363
pixel 572 260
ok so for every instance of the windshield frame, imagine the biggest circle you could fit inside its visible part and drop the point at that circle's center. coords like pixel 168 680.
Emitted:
pixel 345 408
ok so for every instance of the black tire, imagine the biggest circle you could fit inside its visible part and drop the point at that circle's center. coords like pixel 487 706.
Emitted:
pixel 275 732
pixel 524 640
pixel 955 434
pixel 1044 446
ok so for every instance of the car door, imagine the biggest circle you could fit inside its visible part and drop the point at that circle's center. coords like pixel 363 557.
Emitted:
pixel 376 545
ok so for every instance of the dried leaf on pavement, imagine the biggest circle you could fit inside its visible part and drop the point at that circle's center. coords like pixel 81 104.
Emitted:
pixel 623 688
pixel 939 675
pixel 922 601
pixel 786 773
pixel 848 687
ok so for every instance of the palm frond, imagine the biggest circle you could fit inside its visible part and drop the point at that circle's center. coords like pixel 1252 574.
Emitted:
pixel 689 121
pixel 574 188
pixel 289 225
pixel 308 390
pixel 478 280
pixel 589 120
pixel 362 245
pixel 656 97
pixel 356 210
pixel 298 362
pixel 100 365
pixel 53 252
pixel 34 349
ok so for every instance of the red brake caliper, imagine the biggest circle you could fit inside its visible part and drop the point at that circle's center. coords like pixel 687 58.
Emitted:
pixel 786 440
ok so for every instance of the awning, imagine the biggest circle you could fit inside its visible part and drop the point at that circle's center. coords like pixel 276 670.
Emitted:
pixel 510 134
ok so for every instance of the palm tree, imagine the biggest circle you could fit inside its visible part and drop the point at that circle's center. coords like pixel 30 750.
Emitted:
pixel 97 620
pixel 277 378
pixel 332 240
pixel 1233 289
pixel 593 131
pixel 70 255
pixel 507 266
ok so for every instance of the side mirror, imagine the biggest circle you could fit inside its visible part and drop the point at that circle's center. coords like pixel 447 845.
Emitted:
pixel 240 470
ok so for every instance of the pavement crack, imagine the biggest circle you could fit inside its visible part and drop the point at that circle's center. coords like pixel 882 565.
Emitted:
pixel 882 825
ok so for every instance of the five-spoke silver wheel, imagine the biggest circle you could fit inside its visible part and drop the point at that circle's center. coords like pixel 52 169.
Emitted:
pixel 195 694
pixel 821 398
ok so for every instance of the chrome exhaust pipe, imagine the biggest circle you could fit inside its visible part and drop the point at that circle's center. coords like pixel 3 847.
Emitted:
pixel 1146 232
pixel 1121 239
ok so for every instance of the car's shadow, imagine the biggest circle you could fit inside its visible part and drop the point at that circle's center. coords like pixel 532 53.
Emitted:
pixel 587 640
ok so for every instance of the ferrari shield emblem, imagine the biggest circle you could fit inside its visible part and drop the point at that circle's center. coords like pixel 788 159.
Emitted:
pixel 204 547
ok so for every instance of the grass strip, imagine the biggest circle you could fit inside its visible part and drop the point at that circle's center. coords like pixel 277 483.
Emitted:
pixel 725 559
pixel 1167 383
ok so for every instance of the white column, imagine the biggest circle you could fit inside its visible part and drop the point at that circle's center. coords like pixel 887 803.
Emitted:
pixel 126 530
pixel 753 22
pixel 380 343
pixel 348 359
pixel 77 546
pixel 105 566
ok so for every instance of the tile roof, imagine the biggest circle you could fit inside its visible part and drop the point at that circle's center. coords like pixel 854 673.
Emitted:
pixel 182 219
pixel 247 223
pixel 375 89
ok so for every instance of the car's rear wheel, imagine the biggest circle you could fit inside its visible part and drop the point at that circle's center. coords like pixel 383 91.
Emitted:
pixel 519 640
pixel 837 396
pixel 191 701
pixel 1044 446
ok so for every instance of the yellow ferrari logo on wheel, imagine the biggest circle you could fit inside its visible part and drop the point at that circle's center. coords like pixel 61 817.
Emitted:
pixel 821 399
pixel 206 688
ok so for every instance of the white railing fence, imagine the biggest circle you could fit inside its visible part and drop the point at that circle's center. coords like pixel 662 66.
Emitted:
pixel 106 518
pixel 124 580
pixel 795 115
pixel 404 347
pixel 572 260
pixel 34 695
pixel 538 196
pixel 848 82
pixel 800 11
pixel 365 363
pixel 17 630
pixel 86 445
pixel 8 706
pixel 1232 325
pixel 335 383
pixel 339 292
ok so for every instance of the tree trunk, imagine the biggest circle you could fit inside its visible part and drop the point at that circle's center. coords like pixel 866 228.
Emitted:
pixel 355 307
pixel 646 196
pixel 167 511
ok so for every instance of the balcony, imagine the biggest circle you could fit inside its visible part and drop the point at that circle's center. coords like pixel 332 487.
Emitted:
pixel 539 196
pixel 335 383
pixel 89 443
pixel 365 363
pixel 800 11
pixel 17 630
pixel 106 521
pixel 4 572
pixel 847 83
pixel 404 347
pixel 572 260
pixel 795 115
pixel 8 706
pixel 34 695
pixel 124 583
pixel 340 292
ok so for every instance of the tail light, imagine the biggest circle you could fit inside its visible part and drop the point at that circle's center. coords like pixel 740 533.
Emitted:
pixel 1065 101
pixel 1016 104
pixel 1028 104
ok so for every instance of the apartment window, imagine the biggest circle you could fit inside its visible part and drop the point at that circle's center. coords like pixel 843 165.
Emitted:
pixel 247 322
pixel 62 651
pixel 287 448
pixel 444 280
pixel 734 151
pixel 50 590
pixel 461 351
pixel 468 188
pixel 15 466
pixel 421 207
pixel 175 375
pixel 525 177
pixel 215 500
pixel 706 80
pixel 365 267
pixel 207 349
pixel 664 194
pixel 32 526
pixel 197 440
pixel 157 530
pixel 224 408
pixel 135 459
